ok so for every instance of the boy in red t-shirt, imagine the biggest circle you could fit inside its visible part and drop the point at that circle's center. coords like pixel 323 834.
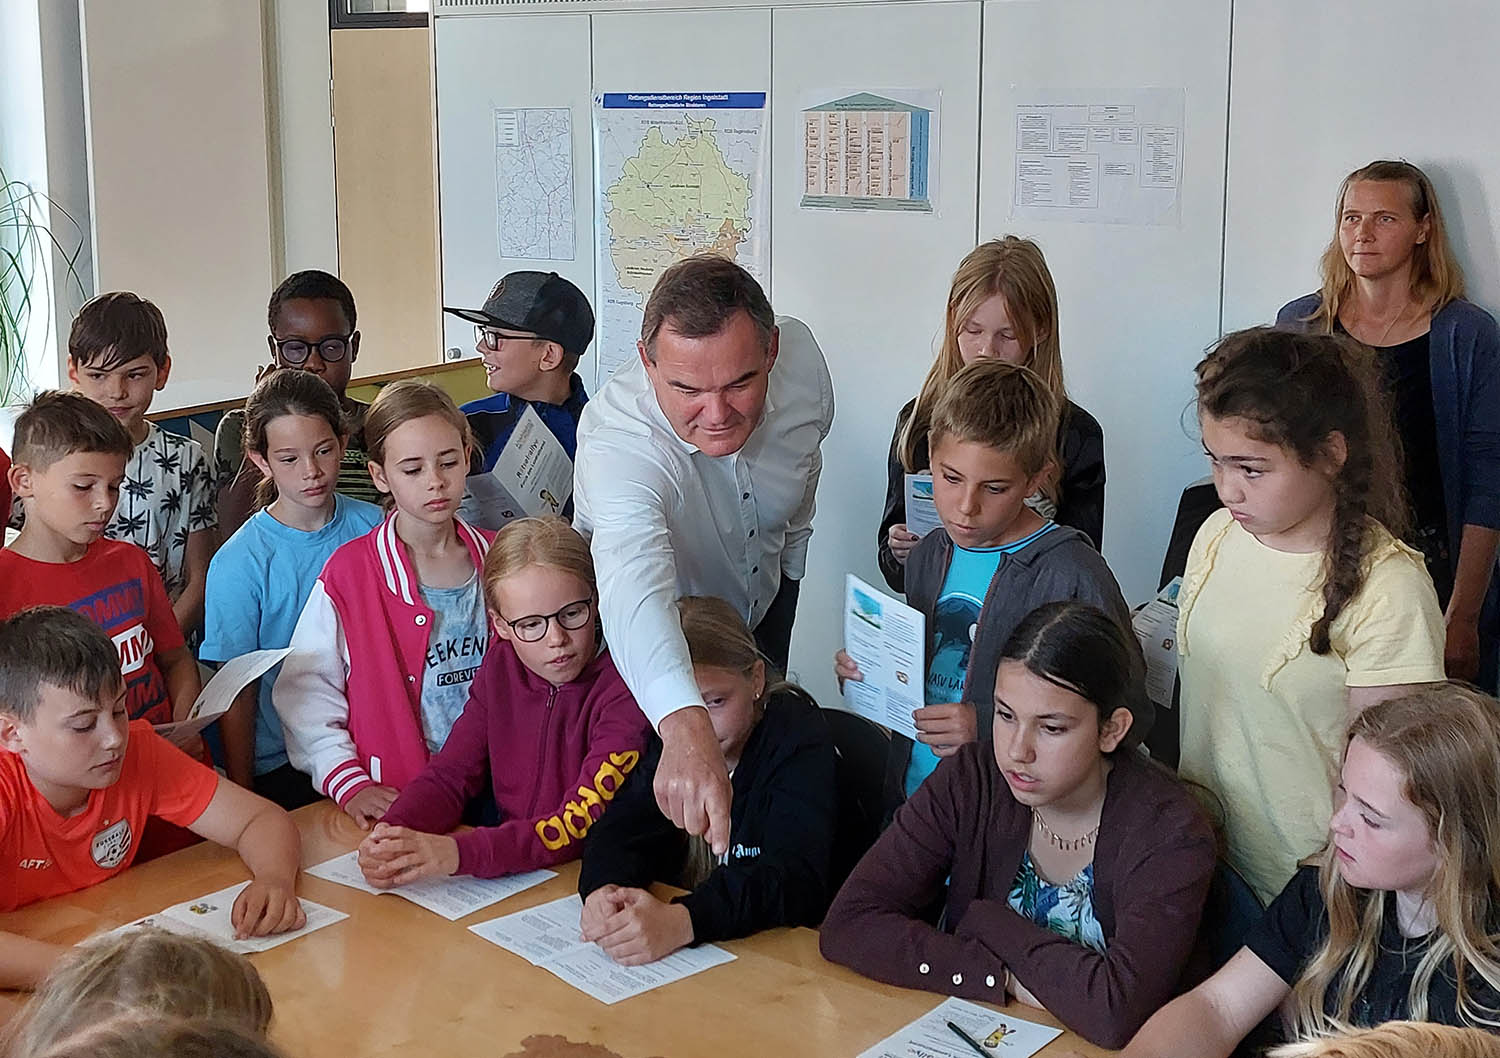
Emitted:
pixel 68 459
pixel 78 780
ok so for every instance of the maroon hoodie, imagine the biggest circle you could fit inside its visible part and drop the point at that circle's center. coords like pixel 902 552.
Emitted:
pixel 554 757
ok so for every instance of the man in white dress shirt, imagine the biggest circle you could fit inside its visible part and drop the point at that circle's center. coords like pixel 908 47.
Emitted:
pixel 696 472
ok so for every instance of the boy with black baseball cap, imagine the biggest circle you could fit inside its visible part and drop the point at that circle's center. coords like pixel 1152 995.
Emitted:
pixel 530 334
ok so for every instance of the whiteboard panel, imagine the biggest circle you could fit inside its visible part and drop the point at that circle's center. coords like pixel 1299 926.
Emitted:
pixel 505 61
pixel 1321 89
pixel 872 286
pixel 1138 304
pixel 176 116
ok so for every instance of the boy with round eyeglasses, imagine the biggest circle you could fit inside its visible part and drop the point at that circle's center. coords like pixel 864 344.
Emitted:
pixel 312 321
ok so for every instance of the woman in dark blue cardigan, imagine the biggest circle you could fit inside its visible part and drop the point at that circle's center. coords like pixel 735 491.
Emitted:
pixel 1391 281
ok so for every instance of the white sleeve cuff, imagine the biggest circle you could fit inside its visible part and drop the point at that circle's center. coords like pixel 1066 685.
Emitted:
pixel 668 693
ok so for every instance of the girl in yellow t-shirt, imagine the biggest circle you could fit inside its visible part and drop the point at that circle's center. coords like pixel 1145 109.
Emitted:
pixel 1298 607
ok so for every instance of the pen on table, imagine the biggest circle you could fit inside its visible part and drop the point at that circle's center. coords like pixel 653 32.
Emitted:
pixel 970 1040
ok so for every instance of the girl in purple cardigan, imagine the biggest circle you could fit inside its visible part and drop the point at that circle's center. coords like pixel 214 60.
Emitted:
pixel 1075 874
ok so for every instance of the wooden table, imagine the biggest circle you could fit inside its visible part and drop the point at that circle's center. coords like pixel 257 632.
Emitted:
pixel 394 979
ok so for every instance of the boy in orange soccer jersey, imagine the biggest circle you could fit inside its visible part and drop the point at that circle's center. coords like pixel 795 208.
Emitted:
pixel 79 779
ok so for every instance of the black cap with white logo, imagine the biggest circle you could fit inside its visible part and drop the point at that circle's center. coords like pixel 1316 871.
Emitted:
pixel 540 303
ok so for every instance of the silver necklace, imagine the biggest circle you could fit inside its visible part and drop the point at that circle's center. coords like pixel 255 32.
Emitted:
pixel 1060 843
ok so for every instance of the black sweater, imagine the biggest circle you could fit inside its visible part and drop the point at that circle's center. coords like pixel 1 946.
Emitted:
pixel 1080 502
pixel 782 829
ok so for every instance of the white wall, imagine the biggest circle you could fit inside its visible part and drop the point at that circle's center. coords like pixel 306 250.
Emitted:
pixel 1321 89
pixel 872 286
pixel 175 108
pixel 1137 304
pixel 300 124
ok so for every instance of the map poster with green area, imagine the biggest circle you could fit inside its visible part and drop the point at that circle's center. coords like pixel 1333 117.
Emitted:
pixel 871 152
pixel 675 174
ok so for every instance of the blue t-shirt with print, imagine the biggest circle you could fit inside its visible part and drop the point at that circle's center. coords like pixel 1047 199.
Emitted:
pixel 954 621
pixel 455 647
pixel 257 584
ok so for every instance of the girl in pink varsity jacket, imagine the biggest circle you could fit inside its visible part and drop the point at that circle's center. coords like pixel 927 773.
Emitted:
pixel 550 727
pixel 395 627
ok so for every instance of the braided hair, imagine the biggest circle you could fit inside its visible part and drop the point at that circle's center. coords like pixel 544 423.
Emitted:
pixel 1297 391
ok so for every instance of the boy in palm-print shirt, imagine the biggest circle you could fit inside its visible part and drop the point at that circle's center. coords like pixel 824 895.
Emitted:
pixel 117 356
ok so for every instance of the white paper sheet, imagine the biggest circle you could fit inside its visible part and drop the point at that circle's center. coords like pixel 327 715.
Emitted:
pixel 921 512
pixel 1118 161
pixel 534 218
pixel 208 917
pixel 216 698
pixel 1155 625
pixel 452 898
pixel 533 476
pixel 930 1037
pixel 548 937
pixel 884 636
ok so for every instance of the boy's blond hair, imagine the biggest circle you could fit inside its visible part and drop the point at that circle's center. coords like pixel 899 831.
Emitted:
pixel 1000 406
pixel 145 971
pixel 57 424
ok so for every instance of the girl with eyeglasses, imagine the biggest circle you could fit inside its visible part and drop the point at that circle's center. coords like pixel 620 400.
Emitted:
pixel 549 729
pixel 782 764
pixel 395 628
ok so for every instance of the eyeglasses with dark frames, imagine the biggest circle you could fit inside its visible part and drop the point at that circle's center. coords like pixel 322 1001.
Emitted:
pixel 492 339
pixel 331 350
pixel 532 627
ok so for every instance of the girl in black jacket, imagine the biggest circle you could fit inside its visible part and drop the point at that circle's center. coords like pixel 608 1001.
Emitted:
pixel 778 870
pixel 1002 304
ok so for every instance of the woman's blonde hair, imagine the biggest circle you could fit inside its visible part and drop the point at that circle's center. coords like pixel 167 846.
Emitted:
pixel 401 402
pixel 1436 276
pixel 547 541
pixel 148 971
pixel 1000 406
pixel 1015 269
pixel 1445 741
pixel 1397 1039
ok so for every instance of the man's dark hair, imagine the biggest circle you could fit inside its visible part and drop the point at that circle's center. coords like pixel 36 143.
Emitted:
pixel 697 296
pixel 56 424
pixel 311 285
pixel 56 646
pixel 116 328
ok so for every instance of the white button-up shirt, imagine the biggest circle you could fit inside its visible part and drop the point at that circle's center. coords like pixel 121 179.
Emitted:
pixel 664 520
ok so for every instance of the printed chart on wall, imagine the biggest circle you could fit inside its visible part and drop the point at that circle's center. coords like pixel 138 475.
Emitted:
pixel 871 151
pixel 675 174
pixel 534 183
pixel 1114 161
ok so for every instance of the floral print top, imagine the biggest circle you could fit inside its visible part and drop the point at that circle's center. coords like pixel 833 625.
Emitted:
pixel 1067 909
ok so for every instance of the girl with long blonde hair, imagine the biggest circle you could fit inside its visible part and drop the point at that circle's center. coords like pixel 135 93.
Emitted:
pixel 781 761
pixel 1392 282
pixel 550 730
pixel 1399 916
pixel 1002 304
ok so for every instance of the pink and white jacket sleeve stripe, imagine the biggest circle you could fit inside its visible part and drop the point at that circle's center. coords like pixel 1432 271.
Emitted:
pixel 311 698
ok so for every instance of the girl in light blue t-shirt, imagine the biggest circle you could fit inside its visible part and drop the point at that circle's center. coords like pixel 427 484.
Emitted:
pixel 262 576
